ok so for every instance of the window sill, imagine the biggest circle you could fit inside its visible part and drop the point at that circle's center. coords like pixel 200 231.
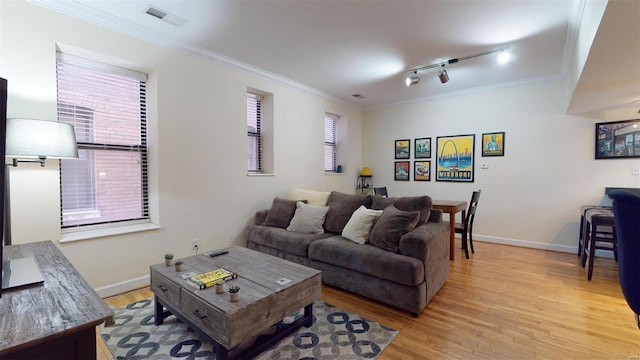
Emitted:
pixel 97 233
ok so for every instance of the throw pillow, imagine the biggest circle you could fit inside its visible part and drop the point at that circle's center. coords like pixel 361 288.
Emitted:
pixel 313 197
pixel 391 226
pixel 341 207
pixel 360 224
pixel 281 212
pixel 308 218
pixel 406 203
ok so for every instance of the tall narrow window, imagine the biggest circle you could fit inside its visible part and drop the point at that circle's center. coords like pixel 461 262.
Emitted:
pixel 330 148
pixel 254 132
pixel 107 185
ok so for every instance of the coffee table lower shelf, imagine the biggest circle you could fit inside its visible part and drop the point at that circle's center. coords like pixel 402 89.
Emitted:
pixel 262 343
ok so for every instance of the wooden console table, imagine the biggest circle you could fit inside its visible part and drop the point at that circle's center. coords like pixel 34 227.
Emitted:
pixel 53 320
pixel 451 207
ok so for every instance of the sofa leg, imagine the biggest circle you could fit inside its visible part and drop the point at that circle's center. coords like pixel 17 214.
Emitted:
pixel 415 315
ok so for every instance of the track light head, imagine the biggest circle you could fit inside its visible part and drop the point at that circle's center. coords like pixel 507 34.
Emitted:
pixel 412 79
pixel 504 57
pixel 442 75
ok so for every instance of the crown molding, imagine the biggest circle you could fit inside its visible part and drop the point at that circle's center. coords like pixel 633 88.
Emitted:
pixel 108 21
pixel 471 91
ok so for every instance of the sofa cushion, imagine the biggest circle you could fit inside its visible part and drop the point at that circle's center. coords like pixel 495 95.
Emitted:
pixel 406 203
pixel 280 213
pixel 341 207
pixel 360 224
pixel 283 240
pixel 391 226
pixel 318 198
pixel 368 259
pixel 308 219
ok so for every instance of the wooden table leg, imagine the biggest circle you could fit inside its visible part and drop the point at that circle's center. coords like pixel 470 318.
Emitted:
pixel 452 236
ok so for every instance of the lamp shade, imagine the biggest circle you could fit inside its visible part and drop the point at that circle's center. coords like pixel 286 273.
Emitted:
pixel 29 138
pixel 366 171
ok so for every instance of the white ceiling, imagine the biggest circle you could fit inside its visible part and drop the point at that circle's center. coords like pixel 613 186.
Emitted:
pixel 341 48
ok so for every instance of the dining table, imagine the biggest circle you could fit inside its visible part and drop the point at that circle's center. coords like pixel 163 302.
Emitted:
pixel 451 207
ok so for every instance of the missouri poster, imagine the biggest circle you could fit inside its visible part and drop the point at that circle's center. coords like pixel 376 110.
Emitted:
pixel 455 160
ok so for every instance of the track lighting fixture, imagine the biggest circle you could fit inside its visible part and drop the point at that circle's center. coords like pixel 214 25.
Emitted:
pixel 442 75
pixel 412 77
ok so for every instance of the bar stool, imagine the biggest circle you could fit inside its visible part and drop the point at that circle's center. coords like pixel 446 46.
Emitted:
pixel 583 212
pixel 599 234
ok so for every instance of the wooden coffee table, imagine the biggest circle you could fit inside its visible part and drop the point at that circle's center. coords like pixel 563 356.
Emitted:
pixel 264 299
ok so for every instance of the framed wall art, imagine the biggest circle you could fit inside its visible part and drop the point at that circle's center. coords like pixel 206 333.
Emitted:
pixel 618 139
pixel 493 144
pixel 401 171
pixel 422 148
pixel 403 149
pixel 422 171
pixel 455 158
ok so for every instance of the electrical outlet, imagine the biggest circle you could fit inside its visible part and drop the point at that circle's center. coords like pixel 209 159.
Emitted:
pixel 194 243
pixel 635 170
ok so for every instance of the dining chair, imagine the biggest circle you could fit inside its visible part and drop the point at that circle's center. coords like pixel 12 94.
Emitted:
pixel 382 191
pixel 466 228
pixel 626 211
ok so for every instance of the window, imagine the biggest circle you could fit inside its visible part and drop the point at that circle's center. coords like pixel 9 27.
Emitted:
pixel 330 148
pixel 254 132
pixel 107 185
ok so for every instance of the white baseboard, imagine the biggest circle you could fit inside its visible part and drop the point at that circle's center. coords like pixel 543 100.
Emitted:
pixel 537 245
pixel 137 283
pixel 123 287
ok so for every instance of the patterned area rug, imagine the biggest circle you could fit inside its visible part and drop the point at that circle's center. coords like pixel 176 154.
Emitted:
pixel 335 334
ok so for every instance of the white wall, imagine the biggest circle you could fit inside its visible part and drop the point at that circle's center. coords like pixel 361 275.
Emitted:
pixel 531 196
pixel 197 121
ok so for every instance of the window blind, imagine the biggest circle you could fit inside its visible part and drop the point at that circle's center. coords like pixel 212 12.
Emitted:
pixel 330 148
pixel 107 185
pixel 254 132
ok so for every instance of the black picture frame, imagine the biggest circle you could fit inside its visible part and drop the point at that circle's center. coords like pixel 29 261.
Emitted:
pixel 493 143
pixel 422 148
pixel 455 158
pixel 402 149
pixel 422 170
pixel 401 171
pixel 617 139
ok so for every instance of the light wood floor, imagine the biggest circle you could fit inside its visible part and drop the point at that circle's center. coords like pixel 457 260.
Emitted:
pixel 504 303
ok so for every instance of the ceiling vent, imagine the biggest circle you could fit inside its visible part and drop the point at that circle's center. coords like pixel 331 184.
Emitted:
pixel 165 16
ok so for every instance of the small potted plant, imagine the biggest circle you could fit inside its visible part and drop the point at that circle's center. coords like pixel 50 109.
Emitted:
pixel 168 259
pixel 179 265
pixel 234 292
pixel 219 287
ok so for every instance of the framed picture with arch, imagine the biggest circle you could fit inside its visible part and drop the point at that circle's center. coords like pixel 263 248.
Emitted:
pixel 455 158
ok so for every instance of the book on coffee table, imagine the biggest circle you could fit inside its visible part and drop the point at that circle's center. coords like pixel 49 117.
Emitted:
pixel 210 278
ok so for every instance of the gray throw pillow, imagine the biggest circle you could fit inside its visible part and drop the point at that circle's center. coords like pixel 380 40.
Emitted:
pixel 391 226
pixel 308 219
pixel 341 207
pixel 281 213
pixel 406 203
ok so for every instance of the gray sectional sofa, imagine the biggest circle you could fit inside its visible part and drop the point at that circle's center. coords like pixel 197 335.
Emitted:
pixel 400 258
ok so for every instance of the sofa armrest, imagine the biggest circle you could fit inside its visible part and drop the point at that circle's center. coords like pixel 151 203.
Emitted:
pixel 435 216
pixel 429 243
pixel 418 241
pixel 260 217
